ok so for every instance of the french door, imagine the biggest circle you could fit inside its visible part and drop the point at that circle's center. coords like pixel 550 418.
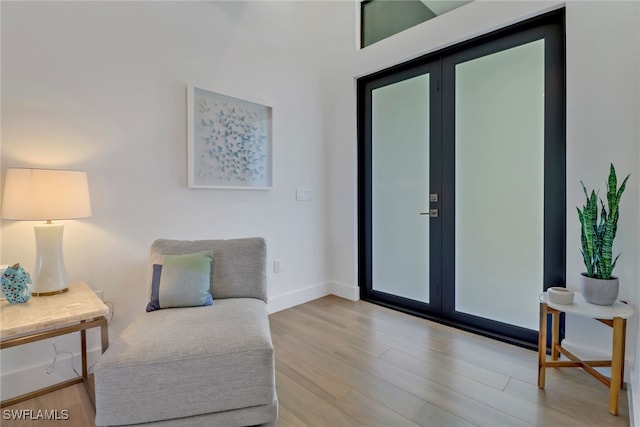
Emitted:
pixel 461 181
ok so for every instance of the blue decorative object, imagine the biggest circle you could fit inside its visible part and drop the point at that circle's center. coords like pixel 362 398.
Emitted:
pixel 16 284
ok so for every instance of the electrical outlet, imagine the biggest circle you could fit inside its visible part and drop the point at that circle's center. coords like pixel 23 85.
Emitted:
pixel 100 294
pixel 276 266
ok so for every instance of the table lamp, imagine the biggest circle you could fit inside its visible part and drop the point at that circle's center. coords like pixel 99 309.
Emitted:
pixel 45 195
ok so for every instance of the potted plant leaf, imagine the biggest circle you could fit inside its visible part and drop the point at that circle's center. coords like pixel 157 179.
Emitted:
pixel 597 234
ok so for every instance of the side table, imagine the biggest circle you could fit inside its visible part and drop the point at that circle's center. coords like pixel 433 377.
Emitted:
pixel 46 317
pixel 614 316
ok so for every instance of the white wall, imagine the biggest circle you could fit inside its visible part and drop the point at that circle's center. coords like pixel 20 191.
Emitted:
pixel 602 127
pixel 634 381
pixel 101 87
pixel 476 18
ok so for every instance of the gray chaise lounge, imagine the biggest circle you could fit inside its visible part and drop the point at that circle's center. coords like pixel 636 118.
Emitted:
pixel 196 366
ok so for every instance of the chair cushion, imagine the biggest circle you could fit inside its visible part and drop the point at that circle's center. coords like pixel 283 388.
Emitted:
pixel 181 362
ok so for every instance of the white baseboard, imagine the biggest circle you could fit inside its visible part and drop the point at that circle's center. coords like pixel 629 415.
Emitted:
pixel 33 378
pixel 310 293
pixel 633 393
pixel 342 290
pixel 595 354
pixel 297 297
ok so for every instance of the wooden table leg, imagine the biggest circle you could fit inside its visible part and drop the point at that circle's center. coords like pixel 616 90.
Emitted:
pixel 624 339
pixel 555 334
pixel 542 345
pixel 616 364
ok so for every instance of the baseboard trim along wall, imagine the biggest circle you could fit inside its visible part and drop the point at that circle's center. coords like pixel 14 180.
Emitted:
pixel 297 297
pixel 343 290
pixel 35 377
pixel 310 293
pixel 633 393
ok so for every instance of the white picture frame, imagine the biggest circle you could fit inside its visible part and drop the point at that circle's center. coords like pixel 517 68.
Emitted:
pixel 229 142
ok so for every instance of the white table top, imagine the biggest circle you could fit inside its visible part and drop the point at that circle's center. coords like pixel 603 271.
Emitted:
pixel 582 308
pixel 77 304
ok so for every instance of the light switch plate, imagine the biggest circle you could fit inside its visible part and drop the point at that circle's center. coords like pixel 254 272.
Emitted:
pixel 303 194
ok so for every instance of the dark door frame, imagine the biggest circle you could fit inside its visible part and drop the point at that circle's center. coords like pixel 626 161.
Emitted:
pixel 549 26
pixel 365 161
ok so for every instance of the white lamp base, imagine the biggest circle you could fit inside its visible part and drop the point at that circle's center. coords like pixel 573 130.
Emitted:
pixel 50 273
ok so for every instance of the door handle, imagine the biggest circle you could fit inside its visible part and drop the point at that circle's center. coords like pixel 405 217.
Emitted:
pixel 433 213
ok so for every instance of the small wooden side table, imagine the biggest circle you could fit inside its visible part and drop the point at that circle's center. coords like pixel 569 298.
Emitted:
pixel 46 317
pixel 614 316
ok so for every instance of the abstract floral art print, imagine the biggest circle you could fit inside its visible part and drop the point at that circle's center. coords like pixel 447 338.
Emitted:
pixel 229 142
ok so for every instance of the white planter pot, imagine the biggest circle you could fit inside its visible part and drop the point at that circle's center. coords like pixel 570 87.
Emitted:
pixel 599 291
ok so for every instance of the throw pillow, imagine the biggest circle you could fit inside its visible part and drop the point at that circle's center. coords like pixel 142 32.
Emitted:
pixel 181 281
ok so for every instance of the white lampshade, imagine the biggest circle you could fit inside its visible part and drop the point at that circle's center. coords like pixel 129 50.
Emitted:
pixel 45 194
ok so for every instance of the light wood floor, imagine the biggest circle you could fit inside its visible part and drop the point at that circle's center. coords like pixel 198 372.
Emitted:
pixel 343 363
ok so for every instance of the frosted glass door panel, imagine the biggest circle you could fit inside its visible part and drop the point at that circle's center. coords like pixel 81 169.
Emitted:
pixel 400 188
pixel 499 182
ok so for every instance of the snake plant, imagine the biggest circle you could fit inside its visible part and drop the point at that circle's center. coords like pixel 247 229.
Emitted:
pixel 598 233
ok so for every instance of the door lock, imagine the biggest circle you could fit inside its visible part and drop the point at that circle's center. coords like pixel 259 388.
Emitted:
pixel 433 197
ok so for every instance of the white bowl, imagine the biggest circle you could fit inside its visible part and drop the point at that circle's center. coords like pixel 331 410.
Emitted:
pixel 559 295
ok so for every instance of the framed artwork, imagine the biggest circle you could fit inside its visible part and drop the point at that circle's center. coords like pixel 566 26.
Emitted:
pixel 230 142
